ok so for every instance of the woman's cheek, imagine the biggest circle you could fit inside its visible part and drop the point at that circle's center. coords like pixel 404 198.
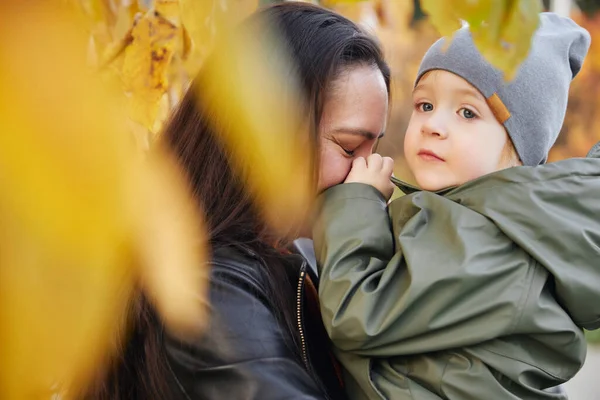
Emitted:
pixel 333 170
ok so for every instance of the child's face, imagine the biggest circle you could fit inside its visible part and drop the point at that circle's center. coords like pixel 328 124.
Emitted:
pixel 453 136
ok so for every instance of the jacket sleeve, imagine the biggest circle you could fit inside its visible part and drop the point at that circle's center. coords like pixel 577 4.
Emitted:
pixel 414 285
pixel 243 353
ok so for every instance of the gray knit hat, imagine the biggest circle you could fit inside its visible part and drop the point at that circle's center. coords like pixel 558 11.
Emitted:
pixel 532 106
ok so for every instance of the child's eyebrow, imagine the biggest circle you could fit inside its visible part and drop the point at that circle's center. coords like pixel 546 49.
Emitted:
pixel 463 91
pixel 420 86
pixel 471 93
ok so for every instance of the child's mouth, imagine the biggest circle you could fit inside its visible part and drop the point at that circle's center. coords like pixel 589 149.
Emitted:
pixel 428 155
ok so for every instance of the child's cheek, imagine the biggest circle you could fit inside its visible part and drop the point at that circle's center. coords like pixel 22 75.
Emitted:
pixel 475 163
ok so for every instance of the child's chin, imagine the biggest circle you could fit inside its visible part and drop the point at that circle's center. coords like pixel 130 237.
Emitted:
pixel 432 184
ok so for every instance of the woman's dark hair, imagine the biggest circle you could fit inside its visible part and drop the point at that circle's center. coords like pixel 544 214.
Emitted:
pixel 321 44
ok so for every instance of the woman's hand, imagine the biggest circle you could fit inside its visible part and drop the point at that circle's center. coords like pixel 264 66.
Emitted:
pixel 375 171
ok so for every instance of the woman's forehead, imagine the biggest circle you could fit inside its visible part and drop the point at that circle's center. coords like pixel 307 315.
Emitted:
pixel 359 91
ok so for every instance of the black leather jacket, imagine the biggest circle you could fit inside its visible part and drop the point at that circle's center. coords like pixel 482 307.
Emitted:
pixel 246 353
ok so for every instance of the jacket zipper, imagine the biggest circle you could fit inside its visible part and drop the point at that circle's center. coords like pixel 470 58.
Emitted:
pixel 299 318
pixel 299 303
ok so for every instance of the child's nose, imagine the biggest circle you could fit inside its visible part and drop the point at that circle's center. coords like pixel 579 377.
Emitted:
pixel 435 126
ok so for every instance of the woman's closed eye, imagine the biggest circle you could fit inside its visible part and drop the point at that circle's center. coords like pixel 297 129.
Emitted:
pixel 356 142
pixel 349 152
pixel 350 145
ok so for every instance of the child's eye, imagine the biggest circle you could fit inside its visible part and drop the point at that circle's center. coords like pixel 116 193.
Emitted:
pixel 425 107
pixel 349 152
pixel 466 113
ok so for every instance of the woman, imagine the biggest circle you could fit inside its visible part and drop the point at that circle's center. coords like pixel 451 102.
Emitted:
pixel 265 339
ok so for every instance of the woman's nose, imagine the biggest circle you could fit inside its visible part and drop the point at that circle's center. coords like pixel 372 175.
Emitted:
pixel 364 151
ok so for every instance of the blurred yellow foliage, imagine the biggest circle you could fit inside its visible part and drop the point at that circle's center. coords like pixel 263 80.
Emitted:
pixel 83 217
pixel 86 218
pixel 160 53
pixel 255 105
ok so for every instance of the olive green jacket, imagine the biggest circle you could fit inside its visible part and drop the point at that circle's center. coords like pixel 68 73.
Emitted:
pixel 478 292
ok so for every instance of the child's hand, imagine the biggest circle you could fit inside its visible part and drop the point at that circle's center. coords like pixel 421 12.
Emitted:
pixel 375 171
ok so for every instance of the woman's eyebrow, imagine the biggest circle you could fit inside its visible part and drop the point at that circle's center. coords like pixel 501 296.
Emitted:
pixel 360 132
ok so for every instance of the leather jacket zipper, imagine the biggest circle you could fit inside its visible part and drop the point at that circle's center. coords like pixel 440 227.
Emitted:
pixel 299 318
pixel 299 305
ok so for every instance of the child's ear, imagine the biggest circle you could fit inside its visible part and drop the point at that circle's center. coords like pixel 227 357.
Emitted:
pixel 510 157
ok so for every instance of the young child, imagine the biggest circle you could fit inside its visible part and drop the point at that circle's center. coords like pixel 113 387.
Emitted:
pixel 478 284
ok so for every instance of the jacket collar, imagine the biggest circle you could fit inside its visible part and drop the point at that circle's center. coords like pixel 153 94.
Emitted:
pixel 595 151
pixel 407 188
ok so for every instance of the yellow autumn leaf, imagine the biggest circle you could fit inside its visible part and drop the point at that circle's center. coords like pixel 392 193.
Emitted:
pixel 82 217
pixel 156 38
pixel 516 31
pixel 146 62
pixel 501 29
pixel 442 15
